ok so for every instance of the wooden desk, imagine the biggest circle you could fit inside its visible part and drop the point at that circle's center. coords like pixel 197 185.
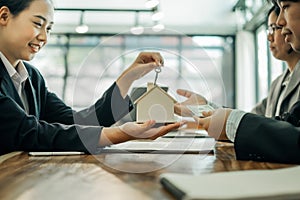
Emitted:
pixel 108 176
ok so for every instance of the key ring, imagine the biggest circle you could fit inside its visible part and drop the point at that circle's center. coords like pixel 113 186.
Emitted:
pixel 157 69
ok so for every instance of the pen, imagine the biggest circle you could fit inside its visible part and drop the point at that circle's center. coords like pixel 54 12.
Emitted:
pixel 55 153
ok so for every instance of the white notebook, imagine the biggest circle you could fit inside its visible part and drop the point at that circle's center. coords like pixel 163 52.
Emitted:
pixel 247 184
pixel 165 145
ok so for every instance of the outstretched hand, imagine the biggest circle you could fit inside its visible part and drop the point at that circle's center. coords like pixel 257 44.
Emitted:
pixel 147 130
pixel 132 130
pixel 192 99
pixel 215 123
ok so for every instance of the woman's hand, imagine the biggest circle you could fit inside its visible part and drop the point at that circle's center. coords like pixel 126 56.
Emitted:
pixel 144 63
pixel 192 99
pixel 132 130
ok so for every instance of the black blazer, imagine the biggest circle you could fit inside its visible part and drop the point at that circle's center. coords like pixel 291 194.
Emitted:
pixel 51 125
pixel 265 139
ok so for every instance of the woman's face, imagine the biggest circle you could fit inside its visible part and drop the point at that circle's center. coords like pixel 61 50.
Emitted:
pixel 278 46
pixel 23 36
pixel 289 19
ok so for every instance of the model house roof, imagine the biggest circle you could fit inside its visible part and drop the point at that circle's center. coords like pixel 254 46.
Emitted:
pixel 151 87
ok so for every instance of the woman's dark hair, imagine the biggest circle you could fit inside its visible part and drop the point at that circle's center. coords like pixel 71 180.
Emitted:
pixel 274 8
pixel 16 6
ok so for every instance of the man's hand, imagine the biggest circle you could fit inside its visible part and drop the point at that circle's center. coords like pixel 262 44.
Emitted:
pixel 215 123
pixel 192 99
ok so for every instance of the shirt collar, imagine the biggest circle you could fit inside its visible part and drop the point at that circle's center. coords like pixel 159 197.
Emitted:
pixel 19 70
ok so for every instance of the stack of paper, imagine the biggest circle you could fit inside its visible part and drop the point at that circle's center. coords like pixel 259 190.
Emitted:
pixel 250 184
pixel 187 133
pixel 165 145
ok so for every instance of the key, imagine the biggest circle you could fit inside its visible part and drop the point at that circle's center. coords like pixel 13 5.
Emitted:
pixel 157 71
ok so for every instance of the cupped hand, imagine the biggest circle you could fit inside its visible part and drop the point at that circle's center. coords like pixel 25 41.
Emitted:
pixel 192 99
pixel 147 130
pixel 215 123
pixel 132 130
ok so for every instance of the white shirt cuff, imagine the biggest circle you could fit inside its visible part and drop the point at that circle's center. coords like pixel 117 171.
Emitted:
pixel 233 122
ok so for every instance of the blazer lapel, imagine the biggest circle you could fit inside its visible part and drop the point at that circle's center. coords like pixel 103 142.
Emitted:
pixel 294 81
pixel 7 87
pixel 276 93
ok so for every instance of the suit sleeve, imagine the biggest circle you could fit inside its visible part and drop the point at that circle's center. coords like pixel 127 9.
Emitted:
pixel 265 139
pixel 53 127
pixel 22 132
pixel 110 108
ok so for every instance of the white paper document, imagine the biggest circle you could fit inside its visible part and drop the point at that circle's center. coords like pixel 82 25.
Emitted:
pixel 55 153
pixel 187 133
pixel 165 145
pixel 247 184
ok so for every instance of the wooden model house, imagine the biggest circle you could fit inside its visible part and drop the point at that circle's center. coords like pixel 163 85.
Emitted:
pixel 155 104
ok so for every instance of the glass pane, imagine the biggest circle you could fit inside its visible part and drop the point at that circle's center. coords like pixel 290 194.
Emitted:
pixel 94 63
pixel 262 65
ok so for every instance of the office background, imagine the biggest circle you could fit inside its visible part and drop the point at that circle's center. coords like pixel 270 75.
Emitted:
pixel 221 53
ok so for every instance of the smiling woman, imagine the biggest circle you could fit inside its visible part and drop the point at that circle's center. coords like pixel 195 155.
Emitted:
pixel 34 28
pixel 34 119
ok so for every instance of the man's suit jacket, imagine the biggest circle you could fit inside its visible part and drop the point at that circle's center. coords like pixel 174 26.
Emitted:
pixel 51 125
pixel 275 140
pixel 267 139
pixel 267 106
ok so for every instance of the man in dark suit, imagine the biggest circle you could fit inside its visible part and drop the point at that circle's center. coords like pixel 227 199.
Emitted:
pixel 257 137
pixel 264 139
pixel 285 89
